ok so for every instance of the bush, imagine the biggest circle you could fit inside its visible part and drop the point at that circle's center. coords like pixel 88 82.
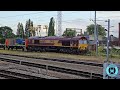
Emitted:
pixel 114 53
pixel 90 53
pixel 101 50
pixel 2 40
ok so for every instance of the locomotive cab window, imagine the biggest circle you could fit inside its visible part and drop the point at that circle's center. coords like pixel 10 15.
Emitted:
pixel 85 41
pixel 82 41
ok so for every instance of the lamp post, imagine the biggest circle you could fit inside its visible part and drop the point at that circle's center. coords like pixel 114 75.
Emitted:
pixel 108 39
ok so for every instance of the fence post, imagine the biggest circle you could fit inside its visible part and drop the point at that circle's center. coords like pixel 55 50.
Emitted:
pixel 91 75
pixel 46 70
pixel 20 62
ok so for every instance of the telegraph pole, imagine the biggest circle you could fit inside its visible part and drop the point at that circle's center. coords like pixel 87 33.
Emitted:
pixel 97 39
pixel 108 39
pixel 95 36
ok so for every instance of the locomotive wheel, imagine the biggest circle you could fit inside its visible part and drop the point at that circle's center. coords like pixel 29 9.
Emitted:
pixel 60 51
pixel 11 48
pixel 35 50
pixel 22 49
pixel 70 51
pixel 16 48
pixel 42 50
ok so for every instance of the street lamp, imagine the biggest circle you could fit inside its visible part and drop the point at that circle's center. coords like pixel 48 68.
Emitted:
pixel 108 39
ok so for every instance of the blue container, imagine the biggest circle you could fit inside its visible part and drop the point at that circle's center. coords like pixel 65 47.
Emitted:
pixel 20 41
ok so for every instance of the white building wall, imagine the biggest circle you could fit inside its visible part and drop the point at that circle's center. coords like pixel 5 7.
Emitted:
pixel 40 31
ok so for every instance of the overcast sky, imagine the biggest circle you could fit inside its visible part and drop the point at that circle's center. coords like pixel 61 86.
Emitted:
pixel 70 19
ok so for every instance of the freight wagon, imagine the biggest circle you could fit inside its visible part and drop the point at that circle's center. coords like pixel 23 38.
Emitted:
pixel 2 46
pixel 15 43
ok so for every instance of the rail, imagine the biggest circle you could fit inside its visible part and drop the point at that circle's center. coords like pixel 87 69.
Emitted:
pixel 15 75
pixel 61 60
pixel 54 68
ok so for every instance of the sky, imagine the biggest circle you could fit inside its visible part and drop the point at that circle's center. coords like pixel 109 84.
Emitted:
pixel 70 19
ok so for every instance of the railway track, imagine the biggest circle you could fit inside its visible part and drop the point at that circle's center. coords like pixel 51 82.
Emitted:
pixel 61 60
pixel 14 75
pixel 55 68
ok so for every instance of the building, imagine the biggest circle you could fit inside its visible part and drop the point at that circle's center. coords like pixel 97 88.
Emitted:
pixel 41 30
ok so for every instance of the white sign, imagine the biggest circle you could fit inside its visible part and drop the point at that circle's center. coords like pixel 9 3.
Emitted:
pixel 111 70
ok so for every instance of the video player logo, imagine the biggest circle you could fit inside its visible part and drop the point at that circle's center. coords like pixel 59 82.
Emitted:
pixel 112 70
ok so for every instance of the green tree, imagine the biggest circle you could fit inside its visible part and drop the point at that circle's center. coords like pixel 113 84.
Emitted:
pixel 20 30
pixel 29 30
pixel 6 32
pixel 51 30
pixel 69 33
pixel 101 30
pixel 26 29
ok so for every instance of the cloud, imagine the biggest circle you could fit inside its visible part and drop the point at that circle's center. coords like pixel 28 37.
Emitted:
pixel 82 24
pixel 114 16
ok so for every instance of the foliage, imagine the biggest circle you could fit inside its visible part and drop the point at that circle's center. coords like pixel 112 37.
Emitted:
pixel 2 40
pixel 100 49
pixel 51 30
pixel 114 52
pixel 6 32
pixel 92 53
pixel 101 30
pixel 69 33
pixel 20 30
pixel 29 30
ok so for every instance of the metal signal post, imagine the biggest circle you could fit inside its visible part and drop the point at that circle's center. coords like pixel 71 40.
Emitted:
pixel 108 40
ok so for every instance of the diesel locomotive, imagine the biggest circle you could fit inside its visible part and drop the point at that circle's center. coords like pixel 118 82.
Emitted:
pixel 76 44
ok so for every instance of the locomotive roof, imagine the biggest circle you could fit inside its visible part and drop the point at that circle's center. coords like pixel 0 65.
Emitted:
pixel 78 37
pixel 57 38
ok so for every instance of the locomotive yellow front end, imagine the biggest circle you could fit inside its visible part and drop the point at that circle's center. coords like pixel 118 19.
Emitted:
pixel 83 44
